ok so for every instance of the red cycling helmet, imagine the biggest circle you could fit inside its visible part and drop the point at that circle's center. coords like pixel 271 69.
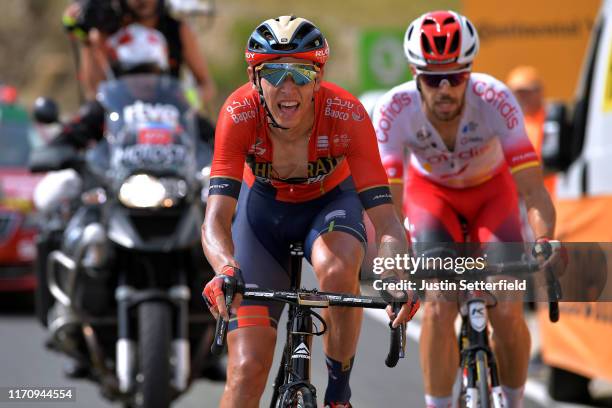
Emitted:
pixel 441 39
pixel 286 36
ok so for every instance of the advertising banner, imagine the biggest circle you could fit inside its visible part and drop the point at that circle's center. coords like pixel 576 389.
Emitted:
pixel 551 35
pixel 579 341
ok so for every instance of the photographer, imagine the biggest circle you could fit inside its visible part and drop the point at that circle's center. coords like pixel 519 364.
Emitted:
pixel 93 21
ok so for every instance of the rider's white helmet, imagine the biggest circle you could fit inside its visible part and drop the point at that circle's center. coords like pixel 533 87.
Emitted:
pixel 135 46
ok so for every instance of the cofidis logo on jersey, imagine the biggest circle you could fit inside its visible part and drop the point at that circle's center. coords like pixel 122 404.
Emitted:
pixel 461 155
pixel 500 99
pixel 388 114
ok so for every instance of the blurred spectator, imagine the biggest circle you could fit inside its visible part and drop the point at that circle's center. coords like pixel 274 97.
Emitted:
pixel 524 81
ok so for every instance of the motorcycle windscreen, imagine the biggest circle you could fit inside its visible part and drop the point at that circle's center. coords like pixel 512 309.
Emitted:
pixel 149 127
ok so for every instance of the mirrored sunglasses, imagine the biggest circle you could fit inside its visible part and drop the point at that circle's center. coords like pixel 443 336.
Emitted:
pixel 275 74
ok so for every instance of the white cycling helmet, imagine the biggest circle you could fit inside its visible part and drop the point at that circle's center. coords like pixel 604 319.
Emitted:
pixel 137 46
pixel 441 39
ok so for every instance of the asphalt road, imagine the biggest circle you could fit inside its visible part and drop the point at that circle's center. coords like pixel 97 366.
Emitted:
pixel 25 362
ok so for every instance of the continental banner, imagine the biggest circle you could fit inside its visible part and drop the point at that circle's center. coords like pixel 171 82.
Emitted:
pixel 551 35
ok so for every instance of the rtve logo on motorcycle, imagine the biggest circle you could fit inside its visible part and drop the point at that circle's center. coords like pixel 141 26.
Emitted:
pixel 141 112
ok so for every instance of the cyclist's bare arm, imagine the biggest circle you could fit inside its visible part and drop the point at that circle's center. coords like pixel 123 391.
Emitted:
pixel 540 210
pixel 197 63
pixel 397 192
pixel 217 231
pixel 93 59
pixel 217 241
pixel 392 241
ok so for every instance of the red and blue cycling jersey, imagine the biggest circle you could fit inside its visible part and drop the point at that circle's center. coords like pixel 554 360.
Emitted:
pixel 342 144
pixel 344 175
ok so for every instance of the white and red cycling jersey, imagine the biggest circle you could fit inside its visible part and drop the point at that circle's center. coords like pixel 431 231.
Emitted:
pixel 491 136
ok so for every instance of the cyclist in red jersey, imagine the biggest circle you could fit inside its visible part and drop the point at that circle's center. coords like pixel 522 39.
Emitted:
pixel 469 155
pixel 298 157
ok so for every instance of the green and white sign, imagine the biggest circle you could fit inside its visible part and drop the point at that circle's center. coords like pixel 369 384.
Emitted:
pixel 382 62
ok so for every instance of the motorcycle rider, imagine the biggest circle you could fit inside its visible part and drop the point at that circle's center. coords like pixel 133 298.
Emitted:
pixel 92 22
pixel 135 49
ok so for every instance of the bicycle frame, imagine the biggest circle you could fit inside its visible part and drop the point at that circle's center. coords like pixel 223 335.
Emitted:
pixel 294 369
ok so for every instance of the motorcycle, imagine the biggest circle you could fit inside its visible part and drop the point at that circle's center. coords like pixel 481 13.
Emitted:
pixel 120 281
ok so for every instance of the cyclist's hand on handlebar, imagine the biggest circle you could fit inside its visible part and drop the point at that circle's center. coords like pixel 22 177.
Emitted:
pixel 551 254
pixel 214 291
pixel 407 311
pixel 408 299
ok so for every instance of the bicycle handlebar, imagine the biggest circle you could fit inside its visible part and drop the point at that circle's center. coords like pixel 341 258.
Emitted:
pixel 507 268
pixel 333 299
pixel 398 334
pixel 322 299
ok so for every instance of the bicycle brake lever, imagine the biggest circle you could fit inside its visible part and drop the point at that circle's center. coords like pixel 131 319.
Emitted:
pixel 398 340
pixel 402 350
pixel 402 328
pixel 221 330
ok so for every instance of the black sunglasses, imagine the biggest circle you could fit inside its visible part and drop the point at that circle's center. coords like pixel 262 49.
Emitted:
pixel 434 80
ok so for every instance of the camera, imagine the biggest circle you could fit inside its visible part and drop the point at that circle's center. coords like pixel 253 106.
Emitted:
pixel 104 15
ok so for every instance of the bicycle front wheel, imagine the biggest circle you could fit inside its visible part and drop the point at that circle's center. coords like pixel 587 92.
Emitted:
pixel 299 397
pixel 482 380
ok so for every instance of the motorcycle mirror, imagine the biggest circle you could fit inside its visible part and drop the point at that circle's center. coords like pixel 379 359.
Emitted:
pixel 557 137
pixel 46 110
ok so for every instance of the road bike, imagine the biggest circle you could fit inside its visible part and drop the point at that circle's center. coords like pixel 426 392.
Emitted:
pixel 292 386
pixel 479 385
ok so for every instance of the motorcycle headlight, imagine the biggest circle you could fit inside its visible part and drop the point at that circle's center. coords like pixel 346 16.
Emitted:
pixel 144 191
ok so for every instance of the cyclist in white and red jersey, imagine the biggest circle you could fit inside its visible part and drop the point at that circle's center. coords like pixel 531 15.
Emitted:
pixel 454 146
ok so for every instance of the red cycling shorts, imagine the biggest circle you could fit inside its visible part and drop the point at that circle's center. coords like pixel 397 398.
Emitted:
pixel 489 210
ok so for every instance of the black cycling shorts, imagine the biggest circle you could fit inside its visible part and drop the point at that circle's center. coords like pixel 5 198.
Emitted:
pixel 263 230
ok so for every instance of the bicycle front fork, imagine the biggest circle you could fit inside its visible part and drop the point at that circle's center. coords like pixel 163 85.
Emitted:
pixel 478 363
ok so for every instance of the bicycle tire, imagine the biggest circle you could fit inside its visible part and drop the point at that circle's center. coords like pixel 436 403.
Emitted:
pixel 482 380
pixel 274 403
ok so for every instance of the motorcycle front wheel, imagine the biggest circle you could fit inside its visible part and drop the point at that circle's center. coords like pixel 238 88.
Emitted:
pixel 154 355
